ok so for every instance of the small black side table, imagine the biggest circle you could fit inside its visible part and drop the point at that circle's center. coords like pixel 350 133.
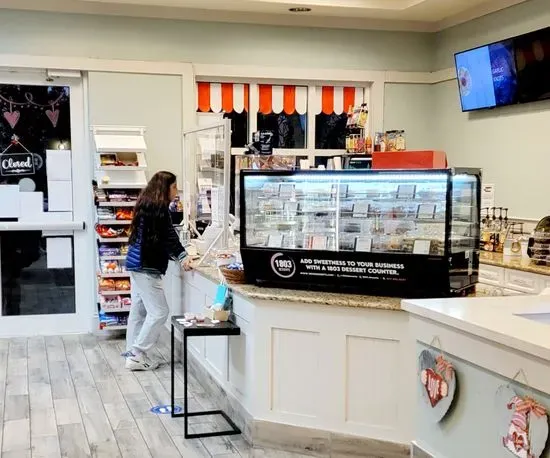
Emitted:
pixel 225 328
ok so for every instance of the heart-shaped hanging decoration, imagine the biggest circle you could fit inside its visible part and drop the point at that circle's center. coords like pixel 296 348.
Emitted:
pixel 437 383
pixel 523 423
pixel 53 116
pixel 435 386
pixel 12 117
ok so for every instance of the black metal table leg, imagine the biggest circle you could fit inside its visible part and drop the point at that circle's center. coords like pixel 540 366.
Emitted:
pixel 172 375
pixel 185 382
pixel 222 329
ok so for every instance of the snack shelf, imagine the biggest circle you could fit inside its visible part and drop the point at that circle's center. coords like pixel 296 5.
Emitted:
pixel 115 275
pixel 121 168
pixel 114 293
pixel 113 258
pixel 111 222
pixel 113 239
pixel 114 328
pixel 115 310
pixel 116 204
pixel 121 185
pixel 120 165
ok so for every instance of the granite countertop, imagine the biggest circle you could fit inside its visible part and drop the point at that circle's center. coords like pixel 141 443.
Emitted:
pixel 305 296
pixel 517 263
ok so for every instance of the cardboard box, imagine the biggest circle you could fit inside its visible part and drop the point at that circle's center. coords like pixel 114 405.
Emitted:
pixel 409 160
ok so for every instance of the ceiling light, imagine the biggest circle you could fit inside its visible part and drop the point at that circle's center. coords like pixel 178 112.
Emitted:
pixel 301 9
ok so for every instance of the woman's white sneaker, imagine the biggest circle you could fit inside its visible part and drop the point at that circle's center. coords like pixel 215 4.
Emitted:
pixel 140 363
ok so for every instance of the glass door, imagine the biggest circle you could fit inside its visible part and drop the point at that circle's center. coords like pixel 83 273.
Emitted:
pixel 43 207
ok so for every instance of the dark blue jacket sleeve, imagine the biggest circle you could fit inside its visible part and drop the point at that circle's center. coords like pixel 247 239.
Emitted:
pixel 172 243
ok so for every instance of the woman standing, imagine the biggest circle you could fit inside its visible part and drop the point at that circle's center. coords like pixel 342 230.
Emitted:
pixel 153 241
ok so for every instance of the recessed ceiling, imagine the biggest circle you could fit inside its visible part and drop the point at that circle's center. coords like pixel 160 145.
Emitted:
pixel 416 15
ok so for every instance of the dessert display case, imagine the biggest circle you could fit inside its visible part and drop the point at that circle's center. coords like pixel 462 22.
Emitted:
pixel 389 232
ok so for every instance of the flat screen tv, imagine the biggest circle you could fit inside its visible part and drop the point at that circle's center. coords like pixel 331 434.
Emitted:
pixel 533 65
pixel 487 76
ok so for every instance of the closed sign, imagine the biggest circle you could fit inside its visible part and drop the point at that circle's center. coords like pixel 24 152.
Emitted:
pixel 16 164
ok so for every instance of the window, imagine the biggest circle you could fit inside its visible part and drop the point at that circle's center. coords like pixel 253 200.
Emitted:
pixel 334 103
pixel 231 100
pixel 282 109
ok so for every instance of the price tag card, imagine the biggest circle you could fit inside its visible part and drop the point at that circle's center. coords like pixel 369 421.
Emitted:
pixel 360 209
pixel 286 190
pixel 319 242
pixel 406 191
pixel 422 246
pixel 426 211
pixel 291 208
pixel 363 244
pixel 275 241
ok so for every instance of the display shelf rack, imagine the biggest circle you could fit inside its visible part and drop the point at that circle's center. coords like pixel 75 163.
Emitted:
pixel 121 327
pixel 121 185
pixel 113 239
pixel 113 258
pixel 129 146
pixel 112 222
pixel 116 204
pixel 115 293
pixel 115 275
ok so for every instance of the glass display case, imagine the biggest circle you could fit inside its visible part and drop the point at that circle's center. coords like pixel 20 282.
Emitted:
pixel 413 233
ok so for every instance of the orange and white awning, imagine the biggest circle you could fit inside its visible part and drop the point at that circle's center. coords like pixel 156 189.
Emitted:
pixel 337 99
pixel 278 99
pixel 222 97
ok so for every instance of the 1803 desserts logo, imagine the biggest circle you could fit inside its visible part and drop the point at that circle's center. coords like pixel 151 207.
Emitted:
pixel 17 164
pixel 283 265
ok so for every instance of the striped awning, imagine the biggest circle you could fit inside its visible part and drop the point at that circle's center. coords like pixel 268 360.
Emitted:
pixel 337 99
pixel 222 97
pixel 278 99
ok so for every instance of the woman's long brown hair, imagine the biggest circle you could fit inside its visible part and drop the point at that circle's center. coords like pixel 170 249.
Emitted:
pixel 152 208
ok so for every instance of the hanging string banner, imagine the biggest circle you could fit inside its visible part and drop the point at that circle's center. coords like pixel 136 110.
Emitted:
pixel 12 115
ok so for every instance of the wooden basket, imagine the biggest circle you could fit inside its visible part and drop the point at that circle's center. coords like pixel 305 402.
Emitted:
pixel 233 276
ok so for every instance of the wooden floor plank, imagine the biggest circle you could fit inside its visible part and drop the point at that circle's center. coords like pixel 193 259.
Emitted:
pixel 45 447
pixel 17 436
pixel 157 439
pixel 73 442
pixel 132 444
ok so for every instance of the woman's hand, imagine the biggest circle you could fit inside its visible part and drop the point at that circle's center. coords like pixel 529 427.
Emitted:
pixel 186 264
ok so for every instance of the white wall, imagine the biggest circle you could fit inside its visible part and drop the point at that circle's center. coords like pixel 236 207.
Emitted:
pixel 36 33
pixel 510 144
pixel 411 107
pixel 153 101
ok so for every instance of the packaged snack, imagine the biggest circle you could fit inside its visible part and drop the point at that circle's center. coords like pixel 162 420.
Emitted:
pixel 124 213
pixel 111 267
pixel 109 250
pixel 123 250
pixel 122 284
pixel 108 232
pixel 400 140
pixel 107 284
pixel 108 159
pixel 105 213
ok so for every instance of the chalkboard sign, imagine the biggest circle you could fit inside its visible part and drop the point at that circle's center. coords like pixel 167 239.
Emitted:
pixel 16 164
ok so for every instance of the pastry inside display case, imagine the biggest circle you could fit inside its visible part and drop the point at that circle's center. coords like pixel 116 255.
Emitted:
pixel 423 216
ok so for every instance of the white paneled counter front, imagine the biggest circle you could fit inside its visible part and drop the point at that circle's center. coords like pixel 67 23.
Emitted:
pixel 322 361
pixel 495 344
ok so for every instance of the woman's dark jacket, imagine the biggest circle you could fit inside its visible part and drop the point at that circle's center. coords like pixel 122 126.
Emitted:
pixel 152 256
